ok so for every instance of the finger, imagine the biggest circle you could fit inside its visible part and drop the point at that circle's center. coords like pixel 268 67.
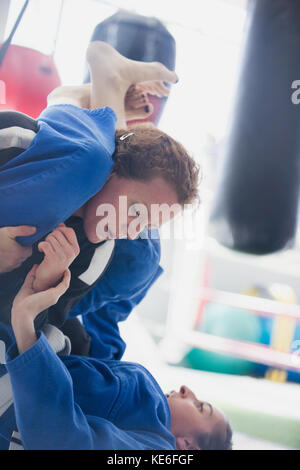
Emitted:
pixel 61 244
pixel 28 282
pixel 70 235
pixel 158 89
pixel 139 103
pixel 156 92
pixel 46 248
pixel 154 87
pixel 131 90
pixel 140 95
pixel 149 109
pixel 20 231
pixel 137 95
pixel 41 246
pixel 147 87
pixel 134 94
pixel 144 112
pixel 49 297
pixel 61 238
pixel 54 243
pixel 64 284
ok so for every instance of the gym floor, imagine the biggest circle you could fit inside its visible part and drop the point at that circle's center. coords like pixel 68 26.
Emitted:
pixel 245 442
pixel 264 415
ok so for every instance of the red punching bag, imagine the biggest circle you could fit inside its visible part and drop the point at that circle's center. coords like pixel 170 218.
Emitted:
pixel 27 76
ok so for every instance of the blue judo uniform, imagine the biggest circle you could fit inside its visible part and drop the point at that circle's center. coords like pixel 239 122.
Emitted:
pixel 75 402
pixel 68 161
pixel 96 402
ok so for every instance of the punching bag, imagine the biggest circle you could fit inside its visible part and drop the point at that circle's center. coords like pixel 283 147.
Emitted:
pixel 139 38
pixel 27 76
pixel 256 204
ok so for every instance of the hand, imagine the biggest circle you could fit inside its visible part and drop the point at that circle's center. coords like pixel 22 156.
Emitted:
pixel 137 104
pixel 60 249
pixel 12 254
pixel 153 87
pixel 28 304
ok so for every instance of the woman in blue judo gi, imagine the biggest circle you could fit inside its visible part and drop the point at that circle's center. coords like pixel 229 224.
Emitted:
pixel 76 152
pixel 98 402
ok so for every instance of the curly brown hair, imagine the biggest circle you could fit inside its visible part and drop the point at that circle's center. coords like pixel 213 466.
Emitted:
pixel 149 152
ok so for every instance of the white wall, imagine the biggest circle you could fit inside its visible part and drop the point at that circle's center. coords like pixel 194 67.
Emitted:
pixel 4 8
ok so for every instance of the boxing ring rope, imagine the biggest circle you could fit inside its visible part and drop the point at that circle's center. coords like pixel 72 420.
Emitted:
pixel 250 351
pixel 256 305
pixel 184 334
pixel 243 349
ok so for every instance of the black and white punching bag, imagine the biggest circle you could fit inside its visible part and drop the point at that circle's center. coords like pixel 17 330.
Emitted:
pixel 139 38
pixel 256 204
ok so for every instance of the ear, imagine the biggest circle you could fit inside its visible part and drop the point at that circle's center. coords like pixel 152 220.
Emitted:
pixel 186 443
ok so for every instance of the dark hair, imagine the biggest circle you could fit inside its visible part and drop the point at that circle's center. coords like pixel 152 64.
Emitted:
pixel 215 442
pixel 148 152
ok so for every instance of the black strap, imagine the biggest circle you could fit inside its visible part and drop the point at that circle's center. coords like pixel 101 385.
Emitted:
pixel 6 43
pixel 8 154
pixel 15 118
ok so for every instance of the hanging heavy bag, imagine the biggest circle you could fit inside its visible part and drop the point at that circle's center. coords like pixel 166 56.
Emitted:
pixel 256 204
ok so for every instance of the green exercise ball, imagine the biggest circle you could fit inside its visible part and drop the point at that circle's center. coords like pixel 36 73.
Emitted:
pixel 226 322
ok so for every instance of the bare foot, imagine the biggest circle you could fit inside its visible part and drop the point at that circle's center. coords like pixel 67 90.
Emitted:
pixel 103 58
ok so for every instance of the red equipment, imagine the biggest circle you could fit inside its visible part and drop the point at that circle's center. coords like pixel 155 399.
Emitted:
pixel 27 76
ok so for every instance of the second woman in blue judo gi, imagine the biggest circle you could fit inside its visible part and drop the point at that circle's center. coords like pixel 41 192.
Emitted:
pixel 99 402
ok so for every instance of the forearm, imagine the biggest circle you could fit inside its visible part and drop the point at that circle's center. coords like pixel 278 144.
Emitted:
pixel 24 332
pixel 47 415
pixel 45 279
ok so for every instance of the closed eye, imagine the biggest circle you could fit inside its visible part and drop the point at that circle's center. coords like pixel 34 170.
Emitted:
pixel 201 407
